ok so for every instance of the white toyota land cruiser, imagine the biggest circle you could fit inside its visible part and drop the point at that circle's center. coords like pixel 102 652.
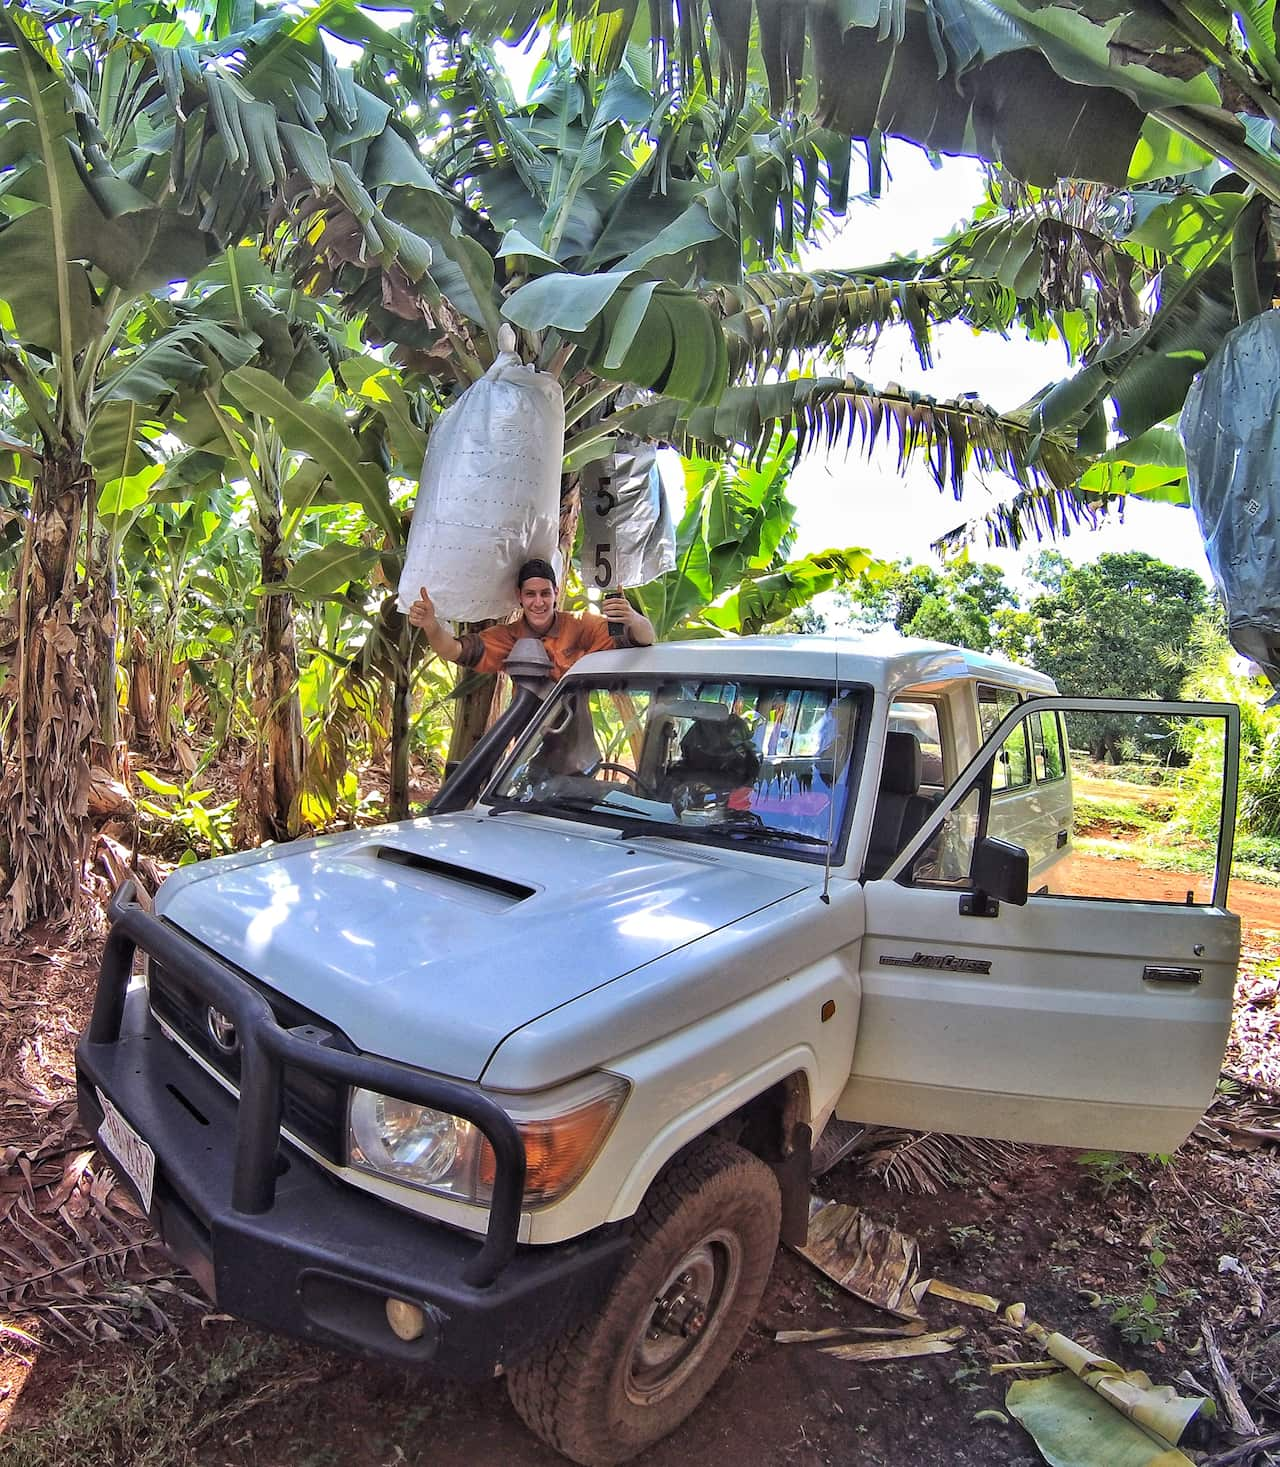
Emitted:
pixel 529 1085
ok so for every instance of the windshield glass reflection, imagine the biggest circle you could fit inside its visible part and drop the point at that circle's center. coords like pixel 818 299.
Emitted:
pixel 758 763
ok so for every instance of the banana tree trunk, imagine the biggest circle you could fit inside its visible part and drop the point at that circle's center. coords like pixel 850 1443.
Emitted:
pixel 279 709
pixel 104 602
pixel 399 792
pixel 475 706
pixel 166 674
pixel 141 697
pixel 570 514
pixel 48 743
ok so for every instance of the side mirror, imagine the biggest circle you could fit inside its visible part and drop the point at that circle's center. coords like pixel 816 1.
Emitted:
pixel 1000 873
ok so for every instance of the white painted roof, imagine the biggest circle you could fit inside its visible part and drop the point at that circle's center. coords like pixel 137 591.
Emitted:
pixel 885 660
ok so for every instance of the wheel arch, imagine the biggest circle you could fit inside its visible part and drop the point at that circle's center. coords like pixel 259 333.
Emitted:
pixel 768 1113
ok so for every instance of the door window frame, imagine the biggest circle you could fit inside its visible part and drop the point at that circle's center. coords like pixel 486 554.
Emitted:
pixel 973 772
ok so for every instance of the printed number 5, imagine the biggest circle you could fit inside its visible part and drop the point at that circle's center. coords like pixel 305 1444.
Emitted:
pixel 604 566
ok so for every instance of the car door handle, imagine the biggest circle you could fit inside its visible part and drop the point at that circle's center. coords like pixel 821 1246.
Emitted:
pixel 1164 973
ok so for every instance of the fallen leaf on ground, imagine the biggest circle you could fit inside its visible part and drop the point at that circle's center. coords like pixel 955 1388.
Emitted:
pixel 843 1332
pixel 868 1259
pixel 1159 1410
pixel 963 1296
pixel 1064 1419
pixel 938 1343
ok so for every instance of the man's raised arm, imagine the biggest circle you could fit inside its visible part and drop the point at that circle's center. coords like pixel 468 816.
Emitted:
pixel 640 631
pixel 422 614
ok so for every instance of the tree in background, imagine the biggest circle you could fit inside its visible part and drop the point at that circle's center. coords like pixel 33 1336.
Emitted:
pixel 963 602
pixel 1118 627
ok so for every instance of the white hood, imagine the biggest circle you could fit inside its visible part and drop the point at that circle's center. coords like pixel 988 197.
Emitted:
pixel 432 941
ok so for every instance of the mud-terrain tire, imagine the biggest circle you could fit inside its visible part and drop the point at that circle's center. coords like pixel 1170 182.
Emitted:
pixel 704 1242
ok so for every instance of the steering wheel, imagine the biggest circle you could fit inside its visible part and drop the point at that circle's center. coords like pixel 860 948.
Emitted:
pixel 635 779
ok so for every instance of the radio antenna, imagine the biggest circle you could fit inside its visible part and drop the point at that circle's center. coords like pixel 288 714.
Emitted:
pixel 831 797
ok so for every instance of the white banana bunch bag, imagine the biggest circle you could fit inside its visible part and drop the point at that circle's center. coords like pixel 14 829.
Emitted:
pixel 490 493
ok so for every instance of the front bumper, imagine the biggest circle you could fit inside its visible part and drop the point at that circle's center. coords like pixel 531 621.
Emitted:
pixel 274 1238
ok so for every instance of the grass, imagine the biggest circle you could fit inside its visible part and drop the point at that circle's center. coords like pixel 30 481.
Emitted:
pixel 158 1410
pixel 1136 822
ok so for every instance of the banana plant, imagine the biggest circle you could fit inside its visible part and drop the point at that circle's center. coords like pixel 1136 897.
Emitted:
pixel 1049 91
pixel 186 601
pixel 584 216
pixel 732 572
pixel 88 353
pixel 279 425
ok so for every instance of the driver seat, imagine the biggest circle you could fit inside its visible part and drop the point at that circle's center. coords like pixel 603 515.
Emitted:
pixel 717 753
pixel 900 808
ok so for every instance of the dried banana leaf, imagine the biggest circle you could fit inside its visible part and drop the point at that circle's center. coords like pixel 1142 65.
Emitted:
pixel 845 1332
pixel 940 1342
pixel 963 1296
pixel 868 1259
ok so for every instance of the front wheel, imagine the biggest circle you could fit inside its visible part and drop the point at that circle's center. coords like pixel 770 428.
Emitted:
pixel 705 1237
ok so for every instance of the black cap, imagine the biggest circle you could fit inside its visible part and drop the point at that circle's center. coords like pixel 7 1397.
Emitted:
pixel 533 570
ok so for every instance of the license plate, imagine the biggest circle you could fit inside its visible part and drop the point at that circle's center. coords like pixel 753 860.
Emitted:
pixel 134 1156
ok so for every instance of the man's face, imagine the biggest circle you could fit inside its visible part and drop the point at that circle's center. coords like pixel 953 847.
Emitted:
pixel 538 598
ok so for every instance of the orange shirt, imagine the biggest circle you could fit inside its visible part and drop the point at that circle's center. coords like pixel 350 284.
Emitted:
pixel 567 638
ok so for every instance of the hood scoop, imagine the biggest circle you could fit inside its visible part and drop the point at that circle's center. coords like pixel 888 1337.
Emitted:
pixel 479 888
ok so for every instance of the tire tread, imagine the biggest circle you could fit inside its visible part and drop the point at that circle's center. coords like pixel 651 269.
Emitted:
pixel 545 1389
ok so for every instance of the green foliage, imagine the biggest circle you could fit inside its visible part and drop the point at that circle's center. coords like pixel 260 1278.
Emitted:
pixel 959 603
pixel 1217 672
pixel 1109 1169
pixel 732 573
pixel 1118 627
pixel 182 820
pixel 1143 1316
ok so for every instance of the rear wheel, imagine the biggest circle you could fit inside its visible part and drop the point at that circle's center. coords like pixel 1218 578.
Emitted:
pixel 705 1237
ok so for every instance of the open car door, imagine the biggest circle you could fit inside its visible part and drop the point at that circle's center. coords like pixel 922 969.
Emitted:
pixel 1094 1010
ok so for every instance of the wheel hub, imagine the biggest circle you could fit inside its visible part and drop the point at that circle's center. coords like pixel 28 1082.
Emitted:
pixel 683 1318
pixel 681 1311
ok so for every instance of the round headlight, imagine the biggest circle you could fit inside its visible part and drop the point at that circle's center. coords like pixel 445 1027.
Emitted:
pixel 399 1138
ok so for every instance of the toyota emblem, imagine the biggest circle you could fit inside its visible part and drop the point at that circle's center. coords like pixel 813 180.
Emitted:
pixel 221 1030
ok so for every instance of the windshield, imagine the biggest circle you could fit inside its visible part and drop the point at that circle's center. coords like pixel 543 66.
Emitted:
pixel 746 763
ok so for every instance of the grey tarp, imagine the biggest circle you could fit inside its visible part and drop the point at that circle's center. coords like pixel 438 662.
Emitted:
pixel 627 534
pixel 1230 426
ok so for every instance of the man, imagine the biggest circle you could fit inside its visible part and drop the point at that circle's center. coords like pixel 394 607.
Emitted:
pixel 565 636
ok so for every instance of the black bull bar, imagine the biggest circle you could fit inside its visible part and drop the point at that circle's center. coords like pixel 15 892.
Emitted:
pixel 266 1048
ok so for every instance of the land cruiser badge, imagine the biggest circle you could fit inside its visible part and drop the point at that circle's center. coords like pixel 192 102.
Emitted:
pixel 945 962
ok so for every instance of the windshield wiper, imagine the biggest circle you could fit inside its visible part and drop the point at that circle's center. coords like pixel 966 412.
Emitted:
pixel 765 833
pixel 615 817
pixel 513 805
pixel 632 824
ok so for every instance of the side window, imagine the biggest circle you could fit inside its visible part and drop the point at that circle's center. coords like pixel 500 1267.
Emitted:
pixel 993 705
pixel 1013 767
pixel 1013 764
pixel 915 716
pixel 1046 741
